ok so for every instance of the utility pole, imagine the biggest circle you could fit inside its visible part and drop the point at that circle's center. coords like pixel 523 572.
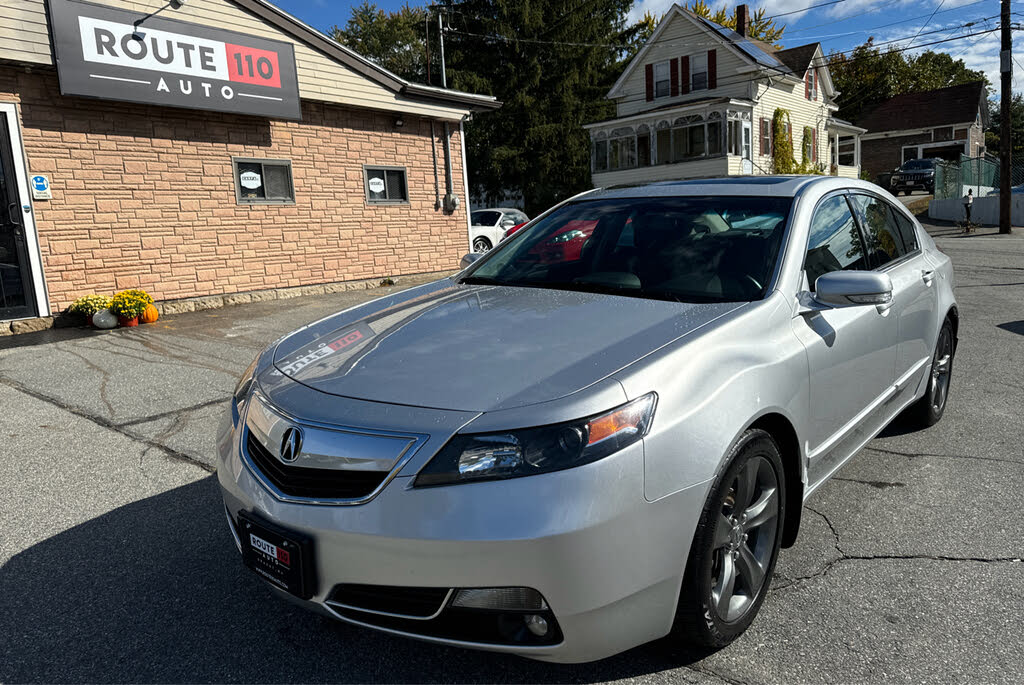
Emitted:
pixel 440 30
pixel 1005 64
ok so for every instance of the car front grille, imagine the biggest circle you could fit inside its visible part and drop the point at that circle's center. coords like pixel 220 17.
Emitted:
pixel 413 602
pixel 297 481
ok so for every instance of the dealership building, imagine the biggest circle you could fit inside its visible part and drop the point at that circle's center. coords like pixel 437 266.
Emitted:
pixel 213 147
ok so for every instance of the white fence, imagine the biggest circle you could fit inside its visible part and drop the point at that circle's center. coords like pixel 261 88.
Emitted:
pixel 985 210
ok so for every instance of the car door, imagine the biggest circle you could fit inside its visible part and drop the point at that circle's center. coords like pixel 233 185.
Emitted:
pixel 895 250
pixel 851 351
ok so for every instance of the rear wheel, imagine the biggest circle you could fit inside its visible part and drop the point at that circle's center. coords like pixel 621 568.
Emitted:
pixel 735 546
pixel 481 244
pixel 928 410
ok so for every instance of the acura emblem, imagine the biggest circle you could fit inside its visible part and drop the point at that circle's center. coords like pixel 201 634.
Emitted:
pixel 291 445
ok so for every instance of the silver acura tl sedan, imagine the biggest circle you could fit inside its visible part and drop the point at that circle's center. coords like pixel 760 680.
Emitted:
pixel 566 450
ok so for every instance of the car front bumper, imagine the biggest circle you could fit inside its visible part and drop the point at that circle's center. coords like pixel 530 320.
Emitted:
pixel 608 562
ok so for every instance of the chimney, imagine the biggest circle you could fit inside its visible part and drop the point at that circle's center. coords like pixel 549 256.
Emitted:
pixel 742 20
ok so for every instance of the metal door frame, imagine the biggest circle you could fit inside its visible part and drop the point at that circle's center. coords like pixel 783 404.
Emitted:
pixel 10 112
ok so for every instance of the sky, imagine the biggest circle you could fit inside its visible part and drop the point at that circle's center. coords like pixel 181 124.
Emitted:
pixel 839 25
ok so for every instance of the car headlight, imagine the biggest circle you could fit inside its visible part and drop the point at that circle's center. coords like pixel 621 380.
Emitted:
pixel 512 454
pixel 241 392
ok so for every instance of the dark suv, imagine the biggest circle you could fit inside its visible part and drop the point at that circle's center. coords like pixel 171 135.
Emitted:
pixel 913 175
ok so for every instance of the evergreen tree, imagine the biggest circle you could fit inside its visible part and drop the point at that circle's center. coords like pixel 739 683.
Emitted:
pixel 394 40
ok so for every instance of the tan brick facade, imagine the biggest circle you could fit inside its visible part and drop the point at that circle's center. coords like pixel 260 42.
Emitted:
pixel 144 196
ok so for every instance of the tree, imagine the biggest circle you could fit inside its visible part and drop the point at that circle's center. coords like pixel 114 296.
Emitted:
pixel 992 142
pixel 551 67
pixel 761 27
pixel 869 75
pixel 394 40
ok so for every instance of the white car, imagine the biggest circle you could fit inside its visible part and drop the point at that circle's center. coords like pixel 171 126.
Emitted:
pixel 489 226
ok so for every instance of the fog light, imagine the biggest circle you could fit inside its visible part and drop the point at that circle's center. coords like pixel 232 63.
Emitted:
pixel 538 625
pixel 501 599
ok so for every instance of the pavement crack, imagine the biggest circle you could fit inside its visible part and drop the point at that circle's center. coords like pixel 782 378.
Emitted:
pixel 705 671
pixel 173 413
pixel 879 484
pixel 104 377
pixel 168 452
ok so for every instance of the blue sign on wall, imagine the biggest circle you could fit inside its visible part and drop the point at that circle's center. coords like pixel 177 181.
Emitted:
pixel 40 187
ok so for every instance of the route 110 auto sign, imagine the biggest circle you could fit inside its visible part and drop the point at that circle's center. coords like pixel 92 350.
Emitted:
pixel 119 55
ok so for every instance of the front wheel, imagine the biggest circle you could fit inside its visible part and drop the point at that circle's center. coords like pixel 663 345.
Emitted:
pixel 481 244
pixel 732 557
pixel 928 410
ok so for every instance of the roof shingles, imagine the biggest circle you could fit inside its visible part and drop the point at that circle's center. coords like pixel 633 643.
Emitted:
pixel 942 107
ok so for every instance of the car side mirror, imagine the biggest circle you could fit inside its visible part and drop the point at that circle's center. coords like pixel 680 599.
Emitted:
pixel 854 288
pixel 468 259
pixel 507 223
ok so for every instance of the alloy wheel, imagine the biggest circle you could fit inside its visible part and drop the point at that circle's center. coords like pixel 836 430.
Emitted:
pixel 744 539
pixel 481 245
pixel 942 367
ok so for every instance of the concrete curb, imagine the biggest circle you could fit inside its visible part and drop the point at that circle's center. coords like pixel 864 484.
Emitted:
pixel 198 304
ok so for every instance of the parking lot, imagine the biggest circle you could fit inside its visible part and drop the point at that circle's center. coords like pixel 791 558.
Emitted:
pixel 117 564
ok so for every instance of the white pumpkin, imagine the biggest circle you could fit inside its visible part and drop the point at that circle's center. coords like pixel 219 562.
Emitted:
pixel 104 319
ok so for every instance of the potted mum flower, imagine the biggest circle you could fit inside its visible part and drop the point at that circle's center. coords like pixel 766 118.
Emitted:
pixel 89 305
pixel 128 305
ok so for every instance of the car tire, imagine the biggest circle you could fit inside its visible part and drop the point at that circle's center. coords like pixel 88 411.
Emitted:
pixel 721 548
pixel 481 244
pixel 928 410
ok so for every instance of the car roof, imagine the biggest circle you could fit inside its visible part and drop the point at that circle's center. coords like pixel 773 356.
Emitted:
pixel 498 209
pixel 779 186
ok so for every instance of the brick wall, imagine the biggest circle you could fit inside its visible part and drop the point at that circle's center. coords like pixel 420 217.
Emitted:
pixel 145 196
pixel 885 154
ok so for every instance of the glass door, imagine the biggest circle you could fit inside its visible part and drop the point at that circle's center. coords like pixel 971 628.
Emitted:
pixel 17 299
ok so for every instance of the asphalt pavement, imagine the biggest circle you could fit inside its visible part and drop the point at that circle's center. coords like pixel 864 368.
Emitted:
pixel 117 565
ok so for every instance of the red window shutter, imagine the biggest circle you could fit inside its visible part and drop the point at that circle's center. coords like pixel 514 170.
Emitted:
pixel 649 75
pixel 673 69
pixel 712 69
pixel 807 86
pixel 684 68
pixel 761 131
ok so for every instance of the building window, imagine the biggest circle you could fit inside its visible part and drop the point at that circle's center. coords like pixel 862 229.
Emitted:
pixel 643 145
pixel 663 144
pixel 600 155
pixel 386 185
pixel 812 84
pixel 847 151
pixel 263 181
pixel 766 137
pixel 699 72
pixel 714 137
pixel 662 80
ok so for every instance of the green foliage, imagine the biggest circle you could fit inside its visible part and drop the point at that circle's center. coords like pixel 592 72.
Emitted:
pixel 782 145
pixel 870 75
pixel 87 305
pixel 129 304
pixel 761 28
pixel 394 40
pixel 992 140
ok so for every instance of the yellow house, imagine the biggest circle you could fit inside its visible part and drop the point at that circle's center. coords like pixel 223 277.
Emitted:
pixel 698 101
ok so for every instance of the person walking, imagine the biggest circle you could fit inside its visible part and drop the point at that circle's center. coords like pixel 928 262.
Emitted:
pixel 968 203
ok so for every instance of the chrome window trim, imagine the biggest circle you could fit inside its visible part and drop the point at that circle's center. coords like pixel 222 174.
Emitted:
pixel 444 605
pixel 416 442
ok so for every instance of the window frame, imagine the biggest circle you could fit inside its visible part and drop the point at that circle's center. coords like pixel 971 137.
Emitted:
pixel 907 254
pixel 262 161
pixel 845 195
pixel 667 80
pixel 385 168
pixel 694 72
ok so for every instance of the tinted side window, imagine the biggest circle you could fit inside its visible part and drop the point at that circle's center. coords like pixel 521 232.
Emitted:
pixel 486 218
pixel 884 243
pixel 906 229
pixel 835 243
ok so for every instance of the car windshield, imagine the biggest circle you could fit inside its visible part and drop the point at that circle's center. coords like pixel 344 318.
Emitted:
pixel 686 249
pixel 485 218
pixel 915 164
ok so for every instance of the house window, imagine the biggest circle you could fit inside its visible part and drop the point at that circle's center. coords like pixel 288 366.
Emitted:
pixel 942 133
pixel 600 155
pixel 643 145
pixel 812 84
pixel 662 80
pixel 663 142
pixel 386 185
pixel 622 150
pixel 766 137
pixel 714 138
pixel 735 137
pixel 699 72
pixel 847 151
pixel 263 181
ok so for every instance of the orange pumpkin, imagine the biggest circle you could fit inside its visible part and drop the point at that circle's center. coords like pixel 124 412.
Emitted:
pixel 149 315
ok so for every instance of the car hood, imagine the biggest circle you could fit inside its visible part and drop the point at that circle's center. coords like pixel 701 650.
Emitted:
pixel 482 348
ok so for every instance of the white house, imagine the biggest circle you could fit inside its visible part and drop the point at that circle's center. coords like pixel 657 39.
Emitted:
pixel 698 101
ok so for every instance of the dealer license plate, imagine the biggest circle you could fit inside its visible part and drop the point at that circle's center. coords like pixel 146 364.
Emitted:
pixel 281 557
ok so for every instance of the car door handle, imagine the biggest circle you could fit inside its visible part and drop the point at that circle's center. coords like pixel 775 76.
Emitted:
pixel 928 275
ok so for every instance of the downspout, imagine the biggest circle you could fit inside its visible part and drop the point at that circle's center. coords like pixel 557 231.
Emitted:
pixel 433 153
pixel 465 178
pixel 450 200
